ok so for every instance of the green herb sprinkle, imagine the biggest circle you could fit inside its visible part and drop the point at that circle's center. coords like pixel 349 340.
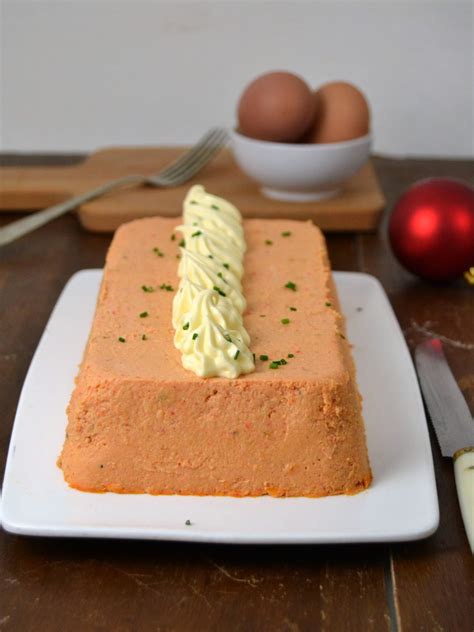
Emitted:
pixel 219 291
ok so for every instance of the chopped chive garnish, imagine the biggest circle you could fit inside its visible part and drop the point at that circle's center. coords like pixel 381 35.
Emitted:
pixel 143 314
pixel 195 336
pixel 158 252
pixel 291 286
pixel 274 365
pixel 215 207
pixel 286 233
pixel 173 237
pixel 165 286
pixel 291 355
pixel 193 202
pixel 218 290
pixel 196 234
pixel 121 339
pixel 227 337
pixel 285 321
pixel 182 243
pixel 210 257
pixel 186 326
pixel 144 337
pixel 263 357
pixel 328 304
pixel 268 242
pixel 195 223
pixel 226 266
pixel 236 354
pixel 148 288
pixel 283 361
pixel 293 309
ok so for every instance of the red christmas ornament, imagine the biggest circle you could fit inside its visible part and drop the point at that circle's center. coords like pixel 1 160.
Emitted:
pixel 431 229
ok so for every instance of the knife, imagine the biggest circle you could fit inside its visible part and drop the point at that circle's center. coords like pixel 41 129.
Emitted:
pixel 452 421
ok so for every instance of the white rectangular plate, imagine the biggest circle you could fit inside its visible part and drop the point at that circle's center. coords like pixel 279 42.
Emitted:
pixel 401 504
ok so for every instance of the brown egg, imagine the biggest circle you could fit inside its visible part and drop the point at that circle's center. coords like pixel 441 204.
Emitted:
pixel 342 114
pixel 277 106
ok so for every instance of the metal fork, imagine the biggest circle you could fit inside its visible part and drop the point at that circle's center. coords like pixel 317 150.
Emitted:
pixel 176 173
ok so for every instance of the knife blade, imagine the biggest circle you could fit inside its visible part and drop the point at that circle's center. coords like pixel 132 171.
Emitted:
pixel 448 409
pixel 452 422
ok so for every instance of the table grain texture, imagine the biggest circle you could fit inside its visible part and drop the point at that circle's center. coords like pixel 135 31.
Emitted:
pixel 69 585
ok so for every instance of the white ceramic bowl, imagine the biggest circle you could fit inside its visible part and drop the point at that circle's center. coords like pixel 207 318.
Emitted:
pixel 300 172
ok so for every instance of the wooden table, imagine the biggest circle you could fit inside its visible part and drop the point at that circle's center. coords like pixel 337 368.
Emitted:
pixel 68 585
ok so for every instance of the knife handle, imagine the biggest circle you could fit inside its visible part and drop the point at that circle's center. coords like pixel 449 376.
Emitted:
pixel 464 474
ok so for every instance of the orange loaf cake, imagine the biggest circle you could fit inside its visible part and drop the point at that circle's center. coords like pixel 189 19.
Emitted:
pixel 140 423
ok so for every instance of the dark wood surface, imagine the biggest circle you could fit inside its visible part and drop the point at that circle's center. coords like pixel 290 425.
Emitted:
pixel 69 585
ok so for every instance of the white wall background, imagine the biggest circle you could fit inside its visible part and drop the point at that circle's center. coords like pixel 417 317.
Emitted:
pixel 79 74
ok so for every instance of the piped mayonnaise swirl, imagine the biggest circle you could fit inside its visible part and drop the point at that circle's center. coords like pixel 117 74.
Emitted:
pixel 208 306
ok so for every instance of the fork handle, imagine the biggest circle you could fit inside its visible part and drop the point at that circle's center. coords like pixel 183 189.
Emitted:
pixel 26 225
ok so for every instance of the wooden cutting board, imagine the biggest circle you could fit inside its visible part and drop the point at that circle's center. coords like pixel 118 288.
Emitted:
pixel 358 207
